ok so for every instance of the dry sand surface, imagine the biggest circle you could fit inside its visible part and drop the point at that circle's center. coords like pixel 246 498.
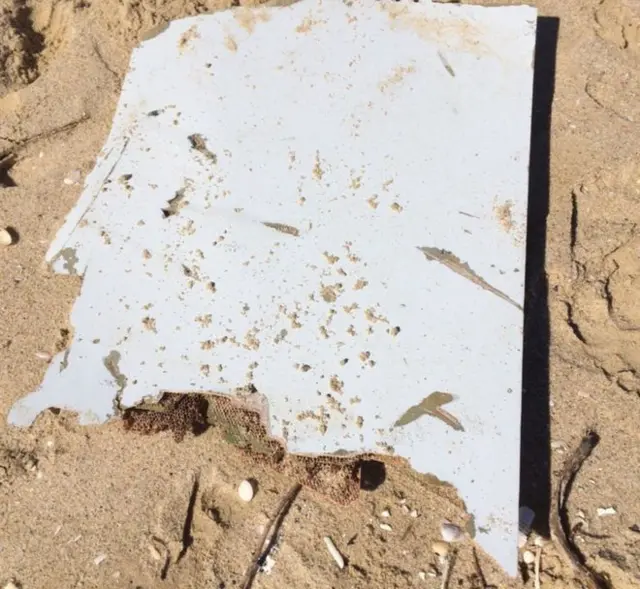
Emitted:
pixel 107 507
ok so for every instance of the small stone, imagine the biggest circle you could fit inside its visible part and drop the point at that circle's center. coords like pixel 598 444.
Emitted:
pixel 6 238
pixel 11 585
pixel 385 513
pixel 440 548
pixel 246 491
pixel 413 513
pixel 451 533
pixel 73 178
pixel 98 559
pixel 385 527
pixel 422 575
pixel 604 511
pixel 405 509
pixel 528 557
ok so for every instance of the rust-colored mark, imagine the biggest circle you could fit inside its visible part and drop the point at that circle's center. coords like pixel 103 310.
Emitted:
pixel 230 43
pixel 199 143
pixel 396 77
pixel 431 405
pixel 189 35
pixel 504 214
pixel 282 228
pixel 451 261
pixel 248 17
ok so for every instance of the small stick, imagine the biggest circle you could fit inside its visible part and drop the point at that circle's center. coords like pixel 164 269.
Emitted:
pixel 449 561
pixel 270 534
pixel 537 567
pixel 557 518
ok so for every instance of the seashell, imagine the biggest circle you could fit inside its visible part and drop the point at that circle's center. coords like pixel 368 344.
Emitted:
pixel 451 533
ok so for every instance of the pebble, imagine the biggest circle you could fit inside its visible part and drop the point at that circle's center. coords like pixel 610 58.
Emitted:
pixel 385 527
pixel 245 491
pixel 5 237
pixel 73 178
pixel 440 548
pixel 334 552
pixel 385 513
pixel 451 533
pixel 98 559
pixel 11 585
pixel 413 513
pixel 422 575
pixel 528 557
pixel 603 511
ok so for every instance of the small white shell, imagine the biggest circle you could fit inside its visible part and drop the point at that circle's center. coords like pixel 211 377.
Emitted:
pixel 385 513
pixel 5 237
pixel 602 511
pixel 414 513
pixel 98 559
pixel 246 491
pixel 528 557
pixel 451 533
pixel 386 527
pixel 334 552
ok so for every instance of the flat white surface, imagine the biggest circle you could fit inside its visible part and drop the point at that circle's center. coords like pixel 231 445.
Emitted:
pixel 372 129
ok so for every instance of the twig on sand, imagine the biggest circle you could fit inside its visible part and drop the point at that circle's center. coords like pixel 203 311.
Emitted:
pixel 270 535
pixel 558 517
pixel 449 561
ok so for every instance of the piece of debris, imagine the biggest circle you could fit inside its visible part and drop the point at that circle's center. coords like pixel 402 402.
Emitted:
pixel 6 237
pixel 43 356
pixel 74 177
pixel 270 535
pixel 528 557
pixel 386 527
pixel 246 491
pixel 385 513
pixel 334 552
pixel 558 516
pixel 440 549
pixel 451 533
pixel 98 559
pixel 604 511
pixel 526 515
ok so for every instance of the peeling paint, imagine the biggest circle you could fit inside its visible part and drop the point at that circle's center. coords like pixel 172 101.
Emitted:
pixel 451 261
pixel 431 405
pixel 70 257
pixel 112 364
pixel 282 228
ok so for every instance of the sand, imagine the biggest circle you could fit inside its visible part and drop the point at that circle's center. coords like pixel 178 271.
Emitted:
pixel 111 507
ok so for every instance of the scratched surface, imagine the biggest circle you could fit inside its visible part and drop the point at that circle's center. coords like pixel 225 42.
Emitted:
pixel 326 202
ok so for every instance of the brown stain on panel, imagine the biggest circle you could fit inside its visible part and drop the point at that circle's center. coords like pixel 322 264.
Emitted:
pixel 451 261
pixel 431 405
pixel 282 228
